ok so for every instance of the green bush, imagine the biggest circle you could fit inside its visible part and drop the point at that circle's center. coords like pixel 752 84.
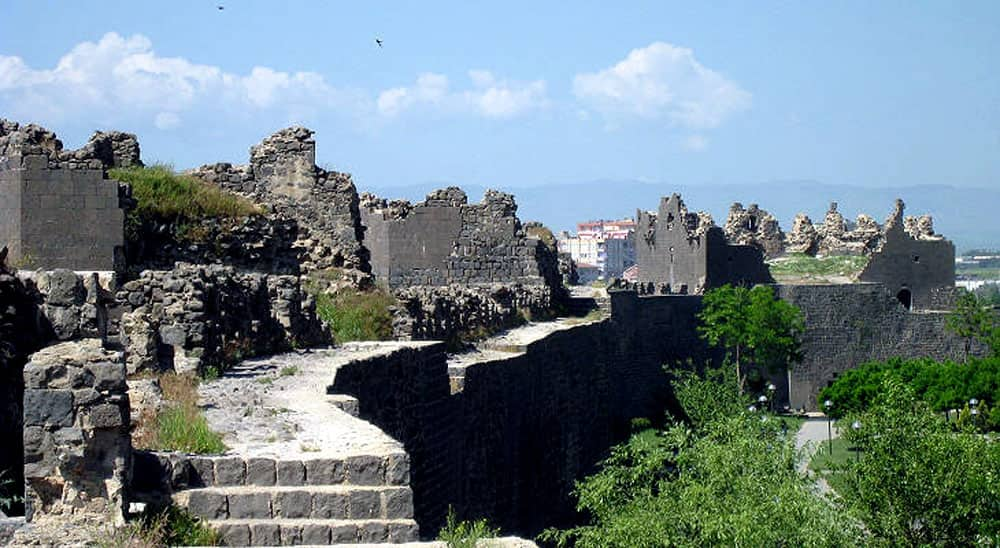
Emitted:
pixel 465 534
pixel 919 482
pixel 941 385
pixel 354 315
pixel 729 481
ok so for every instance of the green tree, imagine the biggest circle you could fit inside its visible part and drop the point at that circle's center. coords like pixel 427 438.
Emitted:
pixel 756 329
pixel 729 480
pixel 972 320
pixel 919 483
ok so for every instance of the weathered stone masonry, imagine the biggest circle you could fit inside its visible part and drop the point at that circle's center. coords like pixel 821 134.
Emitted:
pixel 57 209
pixel 77 447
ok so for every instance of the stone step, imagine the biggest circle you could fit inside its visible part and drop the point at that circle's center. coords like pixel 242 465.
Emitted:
pixel 291 532
pixel 307 502
pixel 183 471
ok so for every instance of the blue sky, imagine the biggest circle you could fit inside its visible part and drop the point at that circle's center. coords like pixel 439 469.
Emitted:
pixel 525 93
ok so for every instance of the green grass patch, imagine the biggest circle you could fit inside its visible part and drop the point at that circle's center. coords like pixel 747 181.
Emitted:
pixel 161 193
pixel 181 425
pixel 823 461
pixel 172 526
pixel 801 266
pixel 354 315
pixel 183 428
pixel 289 371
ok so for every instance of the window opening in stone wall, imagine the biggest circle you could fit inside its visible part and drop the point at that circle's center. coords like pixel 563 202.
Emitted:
pixel 905 298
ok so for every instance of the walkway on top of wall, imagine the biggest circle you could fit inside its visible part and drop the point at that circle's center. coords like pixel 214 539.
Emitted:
pixel 509 343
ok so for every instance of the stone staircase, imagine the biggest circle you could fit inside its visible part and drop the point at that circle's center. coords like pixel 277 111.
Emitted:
pixel 271 502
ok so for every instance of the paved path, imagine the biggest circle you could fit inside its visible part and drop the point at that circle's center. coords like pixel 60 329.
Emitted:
pixel 812 437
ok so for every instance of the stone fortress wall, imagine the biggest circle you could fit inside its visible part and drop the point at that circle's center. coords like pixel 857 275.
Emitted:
pixel 58 209
pixel 685 253
pixel 512 435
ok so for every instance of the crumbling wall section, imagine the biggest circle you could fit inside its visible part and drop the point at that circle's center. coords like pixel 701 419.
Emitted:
pixel 57 208
pixel 443 312
pixel 283 177
pixel 264 243
pixel 445 240
pixel 757 227
pixel 685 253
pixel 918 270
pixel 197 316
pixel 77 449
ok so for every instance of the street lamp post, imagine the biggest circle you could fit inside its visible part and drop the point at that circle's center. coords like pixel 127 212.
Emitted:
pixel 856 425
pixel 770 394
pixel 762 401
pixel 827 405
pixel 973 411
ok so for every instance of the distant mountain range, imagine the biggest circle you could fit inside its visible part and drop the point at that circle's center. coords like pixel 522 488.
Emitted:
pixel 970 217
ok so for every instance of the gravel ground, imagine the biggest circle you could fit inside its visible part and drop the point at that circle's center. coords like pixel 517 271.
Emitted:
pixel 278 406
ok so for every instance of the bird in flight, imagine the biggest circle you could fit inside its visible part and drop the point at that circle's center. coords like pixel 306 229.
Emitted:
pixel 379 42
pixel 221 7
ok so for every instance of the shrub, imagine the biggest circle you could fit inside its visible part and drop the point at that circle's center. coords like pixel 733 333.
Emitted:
pixel 941 385
pixel 465 534
pixel 354 315
pixel 918 482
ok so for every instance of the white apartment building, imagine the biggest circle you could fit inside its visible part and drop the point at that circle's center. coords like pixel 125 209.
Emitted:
pixel 604 249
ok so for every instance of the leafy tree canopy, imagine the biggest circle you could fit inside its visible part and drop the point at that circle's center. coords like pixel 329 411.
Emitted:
pixel 754 327
pixel 918 482
pixel 728 479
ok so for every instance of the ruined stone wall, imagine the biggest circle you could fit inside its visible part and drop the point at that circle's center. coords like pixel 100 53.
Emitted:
pixel 283 177
pixel 264 243
pixel 444 240
pixel 914 267
pixel 443 312
pixel 57 208
pixel 850 324
pixel 510 444
pixel 682 252
pixel 754 226
pixel 196 316
pixel 77 449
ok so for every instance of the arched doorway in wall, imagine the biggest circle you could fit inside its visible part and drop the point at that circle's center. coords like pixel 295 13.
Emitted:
pixel 905 298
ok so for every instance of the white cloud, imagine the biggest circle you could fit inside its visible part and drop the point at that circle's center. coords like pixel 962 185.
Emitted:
pixel 166 120
pixel 488 97
pixel 662 81
pixel 695 143
pixel 119 77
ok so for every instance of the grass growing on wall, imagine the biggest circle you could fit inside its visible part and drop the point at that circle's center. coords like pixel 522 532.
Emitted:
pixel 801 266
pixel 354 315
pixel 161 193
pixel 465 534
pixel 181 425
